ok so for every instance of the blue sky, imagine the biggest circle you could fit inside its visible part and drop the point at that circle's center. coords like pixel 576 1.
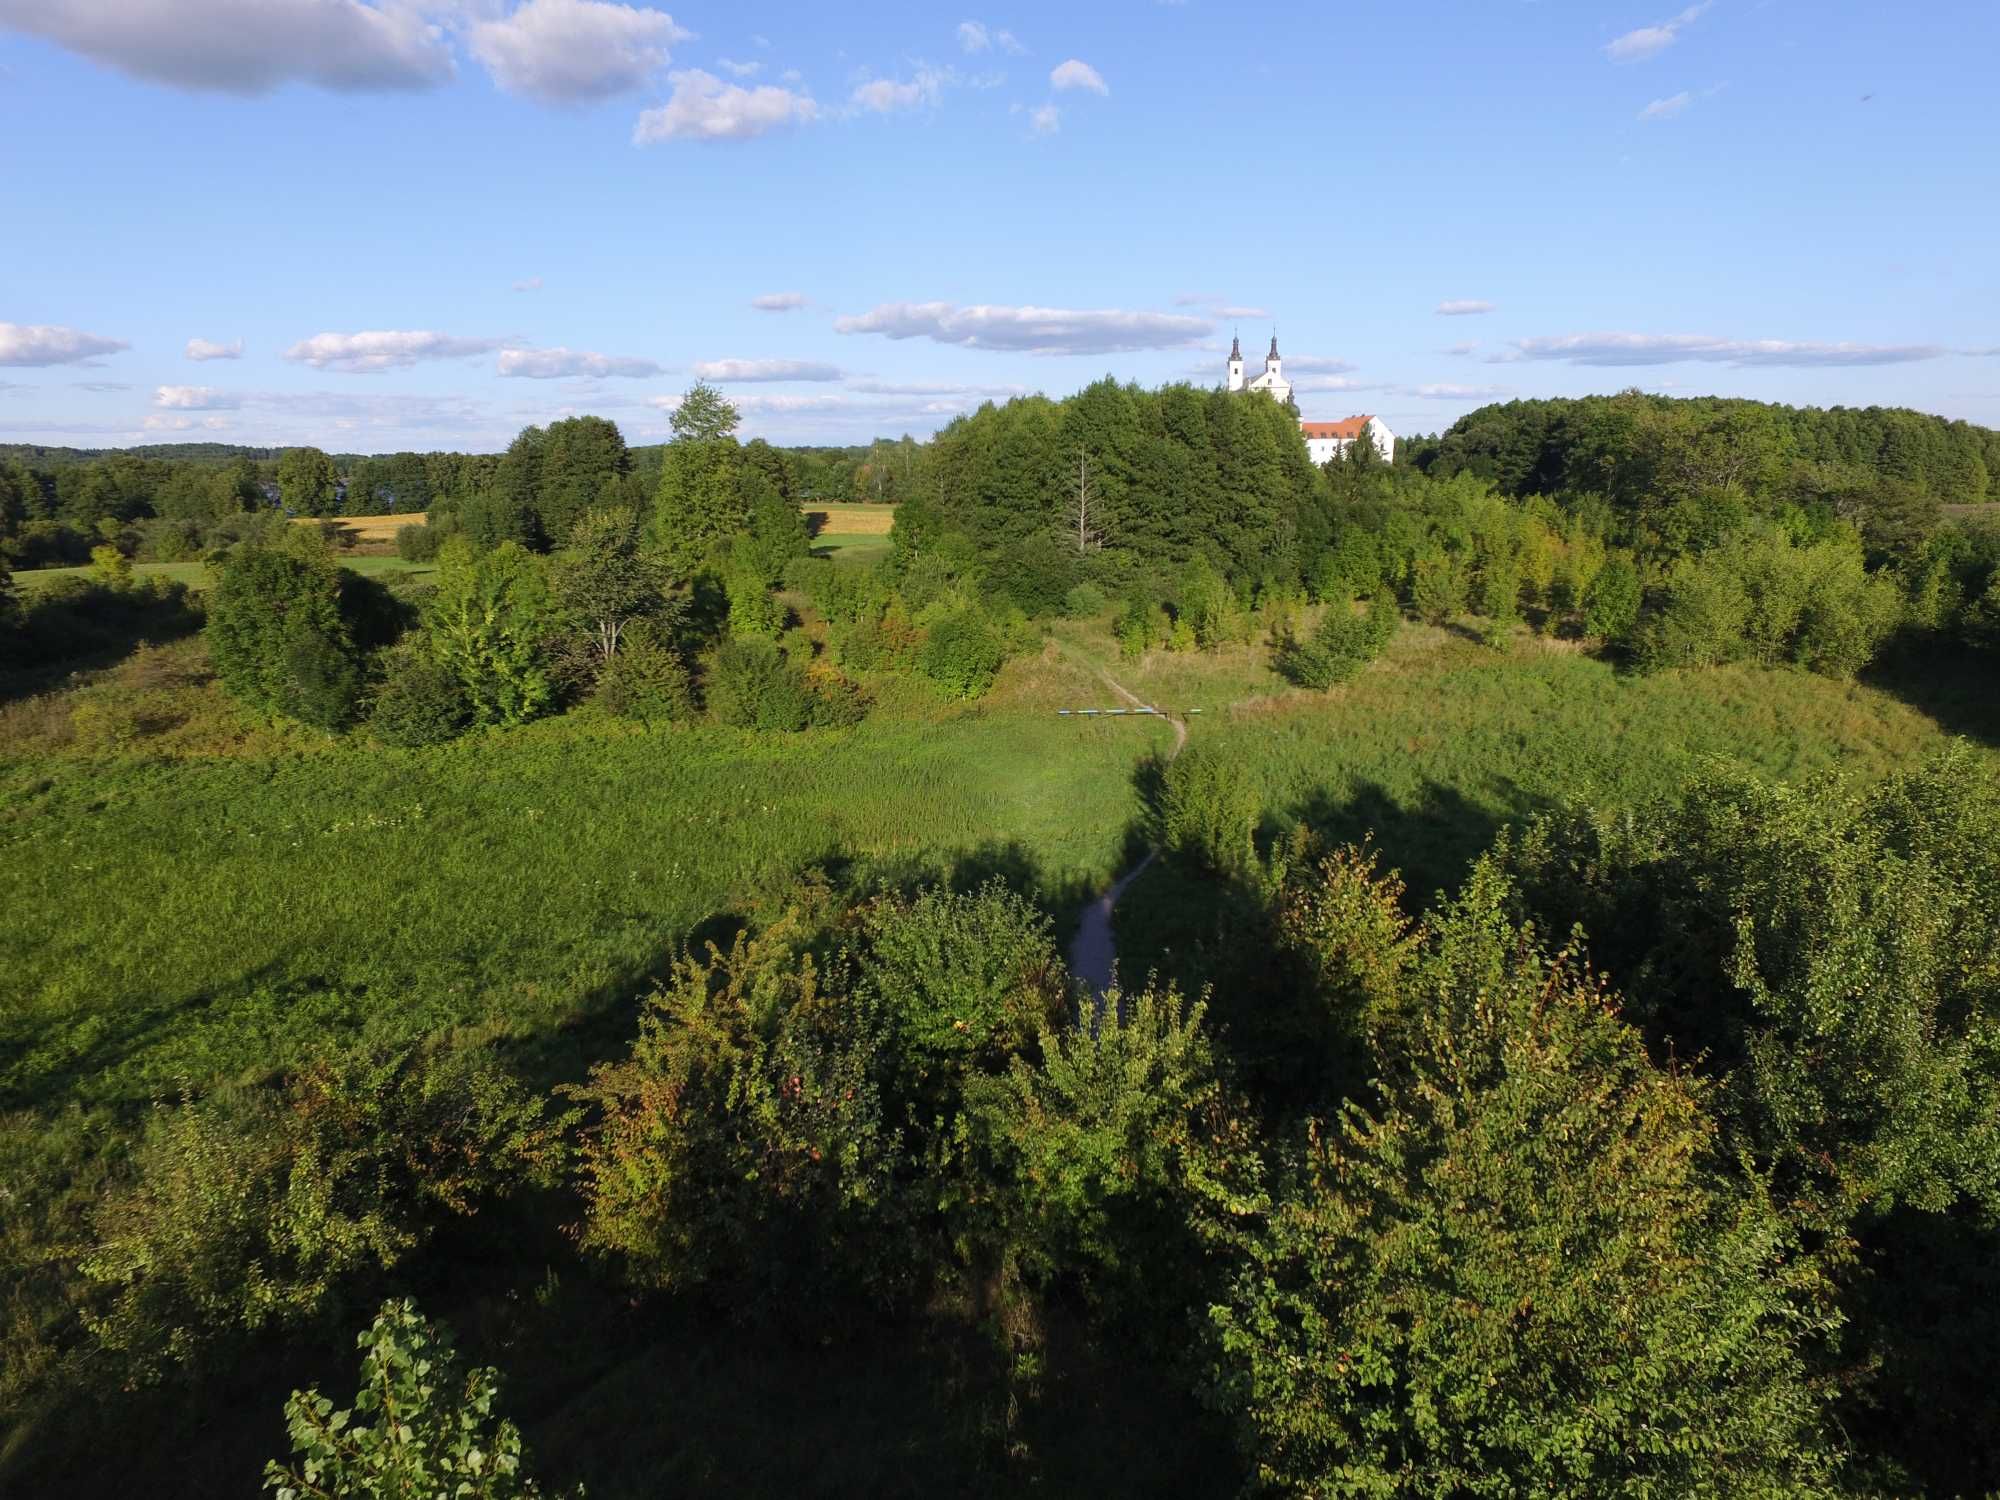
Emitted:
pixel 426 223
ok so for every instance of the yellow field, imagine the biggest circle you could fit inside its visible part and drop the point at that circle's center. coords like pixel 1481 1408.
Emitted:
pixel 368 529
pixel 851 520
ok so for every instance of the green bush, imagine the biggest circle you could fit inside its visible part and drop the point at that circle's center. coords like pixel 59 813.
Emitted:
pixel 488 621
pixel 416 1426
pixel 1085 602
pixel 962 654
pixel 834 701
pixel 1341 645
pixel 420 702
pixel 963 976
pixel 250 1210
pixel 1611 601
pixel 751 685
pixel 278 638
pixel 1207 812
pixel 1420 1306
pixel 647 680
pixel 418 543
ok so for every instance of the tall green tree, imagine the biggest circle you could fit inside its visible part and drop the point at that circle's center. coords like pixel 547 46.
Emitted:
pixel 307 482
pixel 603 582
pixel 699 501
pixel 278 637
pixel 489 623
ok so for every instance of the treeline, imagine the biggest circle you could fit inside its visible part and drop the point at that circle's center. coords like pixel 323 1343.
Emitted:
pixel 566 580
pixel 1674 533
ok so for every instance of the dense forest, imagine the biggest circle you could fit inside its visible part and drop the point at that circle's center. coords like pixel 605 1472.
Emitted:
pixel 1649 1151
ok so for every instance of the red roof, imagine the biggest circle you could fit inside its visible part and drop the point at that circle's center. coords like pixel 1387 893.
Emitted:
pixel 1350 428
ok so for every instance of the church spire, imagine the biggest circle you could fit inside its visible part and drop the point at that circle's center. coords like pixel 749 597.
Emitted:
pixel 1236 347
pixel 1272 357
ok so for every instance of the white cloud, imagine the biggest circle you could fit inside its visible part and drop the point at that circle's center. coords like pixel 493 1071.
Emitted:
pixel 1649 41
pixel 1078 75
pixel 1616 349
pixel 1317 362
pixel 884 95
pixel 575 51
pixel 247 46
pixel 1448 392
pixel 372 352
pixel 1667 108
pixel 554 364
pixel 185 424
pixel 779 301
pixel 1462 349
pixel 1044 119
pixel 739 69
pixel 1030 330
pixel 195 398
pixel 734 370
pixel 1336 383
pixel 206 349
pixel 1463 307
pixel 936 389
pixel 50 344
pixel 704 108
pixel 528 284
pixel 973 37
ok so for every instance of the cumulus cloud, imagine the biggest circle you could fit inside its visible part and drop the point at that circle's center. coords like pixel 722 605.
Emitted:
pixel 746 370
pixel 885 95
pixel 247 46
pixel 779 301
pixel 1615 349
pixel 1649 41
pixel 575 51
pixel 1078 75
pixel 704 108
pixel 1667 108
pixel 553 364
pixel 51 344
pixel 1029 330
pixel 207 349
pixel 1463 307
pixel 195 398
pixel 739 69
pixel 387 349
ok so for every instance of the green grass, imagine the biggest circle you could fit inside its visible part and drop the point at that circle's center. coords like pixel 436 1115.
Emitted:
pixel 210 917
pixel 197 575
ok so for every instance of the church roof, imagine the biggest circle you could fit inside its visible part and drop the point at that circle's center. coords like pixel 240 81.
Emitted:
pixel 1349 427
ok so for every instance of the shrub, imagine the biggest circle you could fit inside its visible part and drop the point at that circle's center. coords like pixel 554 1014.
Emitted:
pixel 421 701
pixel 834 701
pixel 743 1137
pixel 1341 645
pixel 487 622
pixel 1207 812
pixel 1421 1305
pixel 109 567
pixel 1611 599
pixel 648 679
pixel 751 685
pixel 1205 605
pixel 416 1426
pixel 960 980
pixel 418 543
pixel 753 609
pixel 250 1210
pixel 278 638
pixel 1437 587
pixel 962 654
pixel 1085 601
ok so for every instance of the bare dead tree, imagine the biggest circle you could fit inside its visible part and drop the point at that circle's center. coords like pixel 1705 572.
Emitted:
pixel 1082 514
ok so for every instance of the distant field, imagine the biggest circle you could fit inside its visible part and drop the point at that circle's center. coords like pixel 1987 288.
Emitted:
pixel 851 520
pixel 196 575
pixel 370 531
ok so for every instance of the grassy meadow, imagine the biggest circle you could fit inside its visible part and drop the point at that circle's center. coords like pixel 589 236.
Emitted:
pixel 198 575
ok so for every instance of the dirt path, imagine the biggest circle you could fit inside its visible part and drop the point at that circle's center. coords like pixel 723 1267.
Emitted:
pixel 1093 956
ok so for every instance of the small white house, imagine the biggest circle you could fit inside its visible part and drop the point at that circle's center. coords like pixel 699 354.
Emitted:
pixel 1326 441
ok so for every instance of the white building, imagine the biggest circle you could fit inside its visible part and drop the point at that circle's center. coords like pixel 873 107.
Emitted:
pixel 1326 441
pixel 1271 381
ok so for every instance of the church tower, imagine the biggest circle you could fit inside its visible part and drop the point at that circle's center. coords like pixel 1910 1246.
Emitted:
pixel 1274 370
pixel 1236 363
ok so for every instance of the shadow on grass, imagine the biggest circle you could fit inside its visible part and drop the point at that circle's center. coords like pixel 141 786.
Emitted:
pixel 1952 684
pixel 76 626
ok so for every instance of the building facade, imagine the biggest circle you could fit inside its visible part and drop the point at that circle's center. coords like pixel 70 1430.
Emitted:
pixel 1326 441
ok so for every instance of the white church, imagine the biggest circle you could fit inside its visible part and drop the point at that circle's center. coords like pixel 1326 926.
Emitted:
pixel 1324 440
